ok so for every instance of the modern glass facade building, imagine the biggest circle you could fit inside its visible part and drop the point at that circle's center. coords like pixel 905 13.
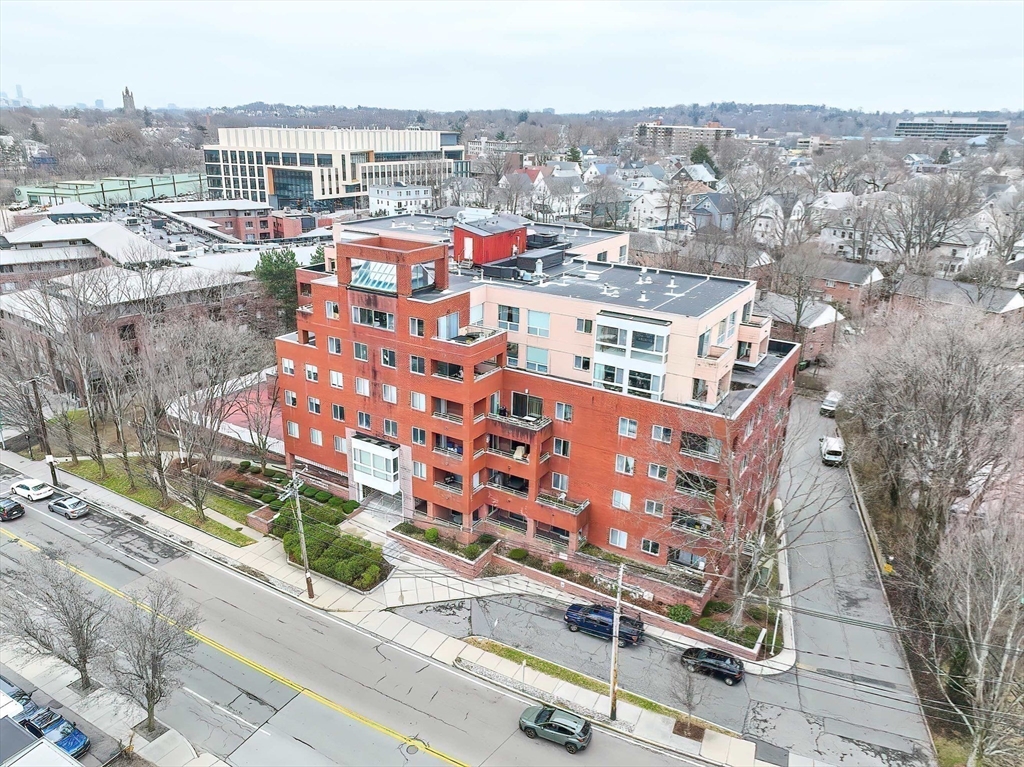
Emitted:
pixel 320 169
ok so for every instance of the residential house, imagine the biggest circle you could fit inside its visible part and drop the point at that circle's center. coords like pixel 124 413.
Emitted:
pixel 596 170
pixel 712 209
pixel 852 285
pixel 818 328
pixel 558 196
pixel 916 292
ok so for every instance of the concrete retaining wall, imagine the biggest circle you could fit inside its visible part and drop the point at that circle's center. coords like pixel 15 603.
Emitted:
pixel 464 567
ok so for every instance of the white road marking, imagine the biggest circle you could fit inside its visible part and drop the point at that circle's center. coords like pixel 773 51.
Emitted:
pixel 49 516
pixel 223 710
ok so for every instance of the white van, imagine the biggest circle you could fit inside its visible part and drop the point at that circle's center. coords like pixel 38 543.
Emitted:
pixel 829 404
pixel 833 451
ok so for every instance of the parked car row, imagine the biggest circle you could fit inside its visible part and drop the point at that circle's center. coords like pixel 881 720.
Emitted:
pixel 41 722
pixel 68 506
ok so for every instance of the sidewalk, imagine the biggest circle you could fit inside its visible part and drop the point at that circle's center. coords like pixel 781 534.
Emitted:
pixel 104 709
pixel 414 581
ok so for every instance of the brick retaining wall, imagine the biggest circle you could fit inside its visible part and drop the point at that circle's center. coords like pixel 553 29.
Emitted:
pixel 464 567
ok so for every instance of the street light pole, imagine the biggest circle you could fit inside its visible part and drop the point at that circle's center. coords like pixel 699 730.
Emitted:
pixel 614 676
pixel 294 492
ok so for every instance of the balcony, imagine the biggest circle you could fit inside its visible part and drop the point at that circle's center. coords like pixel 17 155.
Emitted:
pixel 305 309
pixel 755 330
pixel 715 364
pixel 484 369
pixel 519 455
pixel 560 502
pixel 471 335
pixel 512 485
pixel 448 416
pixel 448 370
pixel 449 486
pixel 529 422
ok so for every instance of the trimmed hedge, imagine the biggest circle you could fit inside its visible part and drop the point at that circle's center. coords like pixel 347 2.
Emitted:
pixel 559 568
pixel 243 465
pixel 255 470
pixel 486 540
pixel 268 497
pixel 714 606
pixel 744 635
pixel 308 491
pixel 406 528
pixel 255 492
pixel 472 551
pixel 349 506
pixel 680 613
pixel 342 557
pixel 276 504
pixel 518 555
pixel 323 496
pixel 431 535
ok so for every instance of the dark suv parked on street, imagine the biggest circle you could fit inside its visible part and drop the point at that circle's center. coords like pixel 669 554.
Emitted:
pixel 599 621
pixel 715 663
pixel 10 509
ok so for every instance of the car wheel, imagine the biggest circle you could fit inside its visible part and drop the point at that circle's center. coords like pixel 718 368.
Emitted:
pixel 691 667
pixel 623 643
pixel 730 681
pixel 530 733
pixel 573 627
pixel 67 515
pixel 572 748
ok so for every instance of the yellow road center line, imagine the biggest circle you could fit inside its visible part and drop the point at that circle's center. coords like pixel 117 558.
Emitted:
pixel 383 729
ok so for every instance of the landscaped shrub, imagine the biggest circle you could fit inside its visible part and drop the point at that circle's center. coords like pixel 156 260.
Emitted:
pixel 347 570
pixel 486 540
pixel 323 496
pixel 255 492
pixel 472 551
pixel 750 635
pixel 707 624
pixel 349 506
pixel 268 497
pixel 276 504
pixel 714 606
pixel 406 528
pixel 308 491
pixel 760 614
pixel 255 470
pixel 336 502
pixel 518 555
pixel 369 578
pixel 244 465
pixel 680 613
pixel 431 535
pixel 558 568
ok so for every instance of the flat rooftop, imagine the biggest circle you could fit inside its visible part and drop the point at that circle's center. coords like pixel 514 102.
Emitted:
pixel 619 287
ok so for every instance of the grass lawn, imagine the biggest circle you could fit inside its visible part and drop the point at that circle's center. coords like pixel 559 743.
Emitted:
pixel 147 495
pixel 229 507
pixel 586 682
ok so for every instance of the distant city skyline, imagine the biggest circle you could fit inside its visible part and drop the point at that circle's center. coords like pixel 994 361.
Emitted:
pixel 609 56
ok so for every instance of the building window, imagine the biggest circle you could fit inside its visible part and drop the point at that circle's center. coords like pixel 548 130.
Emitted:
pixel 316 437
pixel 390 427
pixel 657 471
pixel 561 447
pixel 333 345
pixel 661 434
pixel 312 374
pixel 448 326
pixel 584 326
pixel 580 363
pixel 602 257
pixel 363 387
pixel 337 412
pixel 512 355
pixel 832 283
pixel 700 446
pixel 563 412
pixel 560 482
pixel 617 538
pixel 697 485
pixel 508 318
pixel 419 436
pixel 536 359
pixel 388 358
pixel 363 420
pixel 627 428
pixel 290 399
pixel 538 323
pixel 416 327
pixel 360 352
pixel 732 324
pixel 622 252
pixel 417 401
pixel 293 429
pixel 287 366
pixel 419 470
pixel 313 404
pixel 650 547
pixel 337 380
pixel 624 464
pixel 654 508
pixel 700 390
pixel 339 445
pixel 332 310
pixel 372 318
pixel 621 500
pixel 417 364
pixel 389 393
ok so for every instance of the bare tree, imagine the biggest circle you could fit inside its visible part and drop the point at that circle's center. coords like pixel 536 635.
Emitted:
pixel 970 603
pixel 260 406
pixel 154 634
pixel 493 167
pixel 795 276
pixel 60 614
pixel 1007 225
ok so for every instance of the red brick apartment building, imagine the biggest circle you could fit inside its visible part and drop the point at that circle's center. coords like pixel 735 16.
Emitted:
pixel 635 409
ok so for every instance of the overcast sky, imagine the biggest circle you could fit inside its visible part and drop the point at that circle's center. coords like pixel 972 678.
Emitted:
pixel 574 57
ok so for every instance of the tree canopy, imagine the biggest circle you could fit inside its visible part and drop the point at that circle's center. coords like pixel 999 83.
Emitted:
pixel 574 155
pixel 276 270
pixel 701 154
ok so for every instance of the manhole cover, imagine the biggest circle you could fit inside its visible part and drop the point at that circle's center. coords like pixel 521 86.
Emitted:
pixel 411 749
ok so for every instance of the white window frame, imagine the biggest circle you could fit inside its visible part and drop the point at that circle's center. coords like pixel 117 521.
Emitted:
pixel 293 429
pixel 417 327
pixel 566 447
pixel 291 399
pixel 418 401
pixel 339 445
pixel 390 427
pixel 358 347
pixel 313 405
pixel 560 482
pixel 654 508
pixel 389 393
pixel 312 373
pixel 333 345
pixel 423 360
pixel 627 427
pixel 543 318
pixel 364 420
pixel 337 379
pixel 332 310
pixel 384 353
pixel 625 464
pixel 661 434
pixel 419 469
pixel 563 412
pixel 657 471
pixel 316 437
pixel 363 387
pixel 422 433
pixel 650 548
pixel 337 410
pixel 621 500
pixel 618 538
pixel 287 366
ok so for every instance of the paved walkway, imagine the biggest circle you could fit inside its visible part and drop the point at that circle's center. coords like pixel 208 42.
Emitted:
pixel 413 581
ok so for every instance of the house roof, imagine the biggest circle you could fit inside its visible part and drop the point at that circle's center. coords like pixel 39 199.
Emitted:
pixel 112 239
pixel 722 202
pixel 813 314
pixel 71 208
pixel 565 185
pixel 846 271
pixel 195 206
pixel 995 300
pixel 495 225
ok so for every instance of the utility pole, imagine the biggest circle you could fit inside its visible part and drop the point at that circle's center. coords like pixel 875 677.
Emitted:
pixel 293 492
pixel 614 677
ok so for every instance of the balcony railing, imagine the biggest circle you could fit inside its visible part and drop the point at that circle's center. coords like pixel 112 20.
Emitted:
pixel 451 487
pixel 531 422
pixel 455 376
pixel 448 416
pixel 448 453
pixel 562 504
pixel 473 334
pixel 507 489
pixel 757 321
pixel 483 369
pixel 525 458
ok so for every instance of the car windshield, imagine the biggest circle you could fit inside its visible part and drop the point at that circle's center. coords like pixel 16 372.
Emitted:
pixel 544 715
pixel 74 503
pixel 34 488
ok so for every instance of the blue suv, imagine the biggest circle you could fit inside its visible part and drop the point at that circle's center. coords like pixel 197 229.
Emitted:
pixel 59 731
pixel 599 621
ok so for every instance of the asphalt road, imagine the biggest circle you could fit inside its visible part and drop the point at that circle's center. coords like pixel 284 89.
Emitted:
pixel 278 683
pixel 848 701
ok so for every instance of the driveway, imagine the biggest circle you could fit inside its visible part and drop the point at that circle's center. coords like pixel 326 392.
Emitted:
pixel 848 701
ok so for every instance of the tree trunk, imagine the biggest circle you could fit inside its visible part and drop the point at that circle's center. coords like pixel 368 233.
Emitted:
pixel 124 454
pixel 70 440
pixel 83 671
pixel 150 714
pixel 160 478
pixel 97 448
